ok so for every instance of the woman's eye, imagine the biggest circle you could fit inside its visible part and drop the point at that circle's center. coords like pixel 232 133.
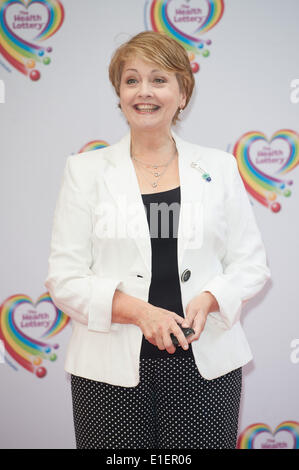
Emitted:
pixel 132 81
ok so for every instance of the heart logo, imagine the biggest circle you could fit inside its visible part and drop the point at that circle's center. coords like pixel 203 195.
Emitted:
pixel 263 163
pixel 260 436
pixel 93 145
pixel 185 21
pixel 25 329
pixel 23 25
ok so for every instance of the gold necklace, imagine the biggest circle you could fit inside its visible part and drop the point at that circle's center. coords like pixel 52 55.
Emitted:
pixel 156 174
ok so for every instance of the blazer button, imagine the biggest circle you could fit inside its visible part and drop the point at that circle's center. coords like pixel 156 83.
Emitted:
pixel 185 275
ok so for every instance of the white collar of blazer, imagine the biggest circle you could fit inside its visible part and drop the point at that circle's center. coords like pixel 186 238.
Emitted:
pixel 121 181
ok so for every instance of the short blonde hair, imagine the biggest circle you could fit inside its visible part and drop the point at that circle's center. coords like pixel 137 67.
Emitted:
pixel 157 48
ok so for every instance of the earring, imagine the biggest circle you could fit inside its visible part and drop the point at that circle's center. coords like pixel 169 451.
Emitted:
pixel 181 110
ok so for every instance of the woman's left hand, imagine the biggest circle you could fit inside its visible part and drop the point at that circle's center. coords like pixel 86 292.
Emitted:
pixel 197 311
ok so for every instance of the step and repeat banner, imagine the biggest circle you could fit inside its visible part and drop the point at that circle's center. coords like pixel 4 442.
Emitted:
pixel 56 100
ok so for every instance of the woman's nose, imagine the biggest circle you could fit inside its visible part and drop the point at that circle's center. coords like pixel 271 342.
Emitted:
pixel 145 89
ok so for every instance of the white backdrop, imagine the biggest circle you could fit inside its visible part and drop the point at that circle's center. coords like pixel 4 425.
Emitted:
pixel 243 86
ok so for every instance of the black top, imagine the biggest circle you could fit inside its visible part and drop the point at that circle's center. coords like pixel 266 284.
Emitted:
pixel 162 210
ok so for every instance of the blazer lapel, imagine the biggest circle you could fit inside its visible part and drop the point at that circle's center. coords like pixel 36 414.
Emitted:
pixel 190 230
pixel 122 182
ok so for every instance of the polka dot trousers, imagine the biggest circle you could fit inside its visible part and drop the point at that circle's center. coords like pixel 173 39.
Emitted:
pixel 172 407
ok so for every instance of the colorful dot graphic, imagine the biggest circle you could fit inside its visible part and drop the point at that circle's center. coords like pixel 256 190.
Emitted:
pixel 22 54
pixel 172 16
pixel 264 186
pixel 28 352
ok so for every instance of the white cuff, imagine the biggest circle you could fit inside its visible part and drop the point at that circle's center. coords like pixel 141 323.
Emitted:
pixel 230 304
pixel 100 307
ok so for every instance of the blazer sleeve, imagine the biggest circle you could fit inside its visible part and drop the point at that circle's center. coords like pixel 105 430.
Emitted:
pixel 245 269
pixel 73 287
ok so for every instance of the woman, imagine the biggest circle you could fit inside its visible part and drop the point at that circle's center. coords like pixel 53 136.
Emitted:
pixel 130 279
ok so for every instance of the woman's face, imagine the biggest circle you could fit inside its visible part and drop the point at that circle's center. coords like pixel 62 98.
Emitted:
pixel 149 96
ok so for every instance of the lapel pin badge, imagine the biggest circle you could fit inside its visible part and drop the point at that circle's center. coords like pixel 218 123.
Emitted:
pixel 204 174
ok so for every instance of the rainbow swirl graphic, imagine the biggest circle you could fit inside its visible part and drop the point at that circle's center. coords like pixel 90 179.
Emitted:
pixel 260 185
pixel 157 17
pixel 247 438
pixel 93 145
pixel 26 351
pixel 20 53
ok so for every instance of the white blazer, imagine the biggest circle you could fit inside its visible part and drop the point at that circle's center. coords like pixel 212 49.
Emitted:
pixel 101 241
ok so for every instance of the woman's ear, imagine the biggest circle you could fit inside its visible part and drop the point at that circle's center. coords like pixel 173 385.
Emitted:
pixel 183 101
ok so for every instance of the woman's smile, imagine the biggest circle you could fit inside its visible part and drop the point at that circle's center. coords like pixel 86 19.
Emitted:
pixel 146 108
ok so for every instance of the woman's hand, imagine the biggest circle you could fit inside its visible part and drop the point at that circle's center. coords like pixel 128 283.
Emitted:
pixel 157 323
pixel 197 311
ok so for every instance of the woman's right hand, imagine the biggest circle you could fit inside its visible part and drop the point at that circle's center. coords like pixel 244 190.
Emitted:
pixel 157 323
